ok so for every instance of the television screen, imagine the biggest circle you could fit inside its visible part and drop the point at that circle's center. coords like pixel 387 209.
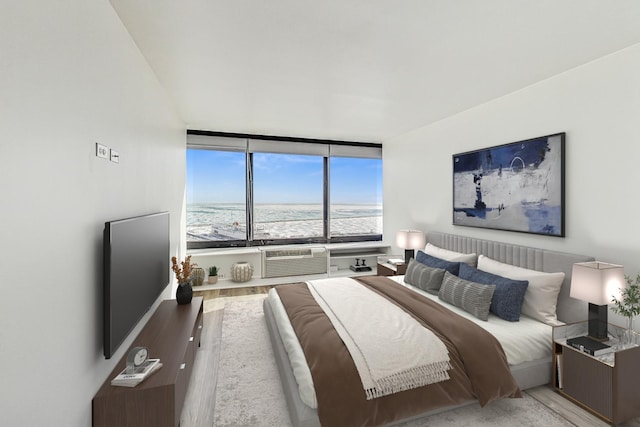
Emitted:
pixel 136 271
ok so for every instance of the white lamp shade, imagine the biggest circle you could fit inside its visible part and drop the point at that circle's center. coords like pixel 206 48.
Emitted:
pixel 410 239
pixel 596 282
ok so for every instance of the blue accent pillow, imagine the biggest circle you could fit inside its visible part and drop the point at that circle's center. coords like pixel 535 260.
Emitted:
pixel 508 296
pixel 431 261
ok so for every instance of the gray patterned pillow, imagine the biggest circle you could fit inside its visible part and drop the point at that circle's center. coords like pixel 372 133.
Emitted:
pixel 472 297
pixel 424 277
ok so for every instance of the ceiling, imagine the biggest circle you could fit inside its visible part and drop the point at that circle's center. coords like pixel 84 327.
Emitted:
pixel 361 70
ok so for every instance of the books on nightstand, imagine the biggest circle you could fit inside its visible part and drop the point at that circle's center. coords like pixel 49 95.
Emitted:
pixel 589 346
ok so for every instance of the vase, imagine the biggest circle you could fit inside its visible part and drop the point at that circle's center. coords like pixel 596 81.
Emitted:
pixel 197 276
pixel 629 334
pixel 241 271
pixel 184 293
pixel 212 280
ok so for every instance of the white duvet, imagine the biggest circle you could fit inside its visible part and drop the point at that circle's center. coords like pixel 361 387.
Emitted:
pixel 522 341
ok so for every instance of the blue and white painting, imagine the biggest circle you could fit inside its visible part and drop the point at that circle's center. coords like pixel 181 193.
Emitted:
pixel 516 187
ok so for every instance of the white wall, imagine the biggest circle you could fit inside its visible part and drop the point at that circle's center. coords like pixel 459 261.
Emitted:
pixel 597 105
pixel 70 76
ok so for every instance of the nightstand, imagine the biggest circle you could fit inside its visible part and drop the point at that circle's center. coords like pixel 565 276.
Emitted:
pixel 386 268
pixel 607 385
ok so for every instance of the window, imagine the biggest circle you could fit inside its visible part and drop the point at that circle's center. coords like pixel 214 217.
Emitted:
pixel 288 196
pixel 247 190
pixel 356 196
pixel 216 195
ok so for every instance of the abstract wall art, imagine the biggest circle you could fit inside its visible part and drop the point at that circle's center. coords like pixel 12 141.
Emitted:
pixel 517 186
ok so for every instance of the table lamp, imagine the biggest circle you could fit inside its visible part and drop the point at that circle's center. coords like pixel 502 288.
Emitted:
pixel 409 240
pixel 596 282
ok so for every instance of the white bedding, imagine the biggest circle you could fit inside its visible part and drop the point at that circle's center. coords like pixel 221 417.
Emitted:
pixel 522 341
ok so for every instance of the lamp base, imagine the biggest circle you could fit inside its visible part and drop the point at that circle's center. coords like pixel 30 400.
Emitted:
pixel 598 322
pixel 408 254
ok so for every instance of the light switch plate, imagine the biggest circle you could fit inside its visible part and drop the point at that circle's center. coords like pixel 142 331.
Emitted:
pixel 115 156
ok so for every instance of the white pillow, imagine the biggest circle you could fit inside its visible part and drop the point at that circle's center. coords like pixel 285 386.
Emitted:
pixel 471 259
pixel 541 298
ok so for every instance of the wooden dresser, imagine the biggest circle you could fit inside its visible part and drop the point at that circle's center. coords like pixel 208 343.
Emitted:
pixel 172 335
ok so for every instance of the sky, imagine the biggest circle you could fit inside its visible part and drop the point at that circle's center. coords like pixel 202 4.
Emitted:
pixel 219 177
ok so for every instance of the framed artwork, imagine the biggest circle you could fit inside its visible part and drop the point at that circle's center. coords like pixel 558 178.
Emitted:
pixel 515 187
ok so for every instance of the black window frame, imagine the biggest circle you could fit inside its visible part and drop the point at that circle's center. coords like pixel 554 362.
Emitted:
pixel 249 241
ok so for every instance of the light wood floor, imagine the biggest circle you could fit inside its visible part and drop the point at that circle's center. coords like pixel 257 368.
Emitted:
pixel 199 406
pixel 231 292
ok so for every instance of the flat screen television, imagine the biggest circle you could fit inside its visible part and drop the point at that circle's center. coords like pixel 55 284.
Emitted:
pixel 136 271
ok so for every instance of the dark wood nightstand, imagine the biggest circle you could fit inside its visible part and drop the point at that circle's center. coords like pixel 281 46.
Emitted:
pixel 608 386
pixel 387 269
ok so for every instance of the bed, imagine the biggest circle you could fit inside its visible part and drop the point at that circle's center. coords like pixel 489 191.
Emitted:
pixel 527 371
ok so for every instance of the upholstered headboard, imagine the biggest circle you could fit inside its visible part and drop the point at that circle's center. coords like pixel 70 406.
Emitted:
pixel 568 309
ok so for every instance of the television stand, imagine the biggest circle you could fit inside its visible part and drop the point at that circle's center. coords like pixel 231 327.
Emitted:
pixel 172 335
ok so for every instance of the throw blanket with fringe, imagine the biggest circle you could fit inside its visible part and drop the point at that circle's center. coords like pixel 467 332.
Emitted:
pixel 479 366
pixel 365 320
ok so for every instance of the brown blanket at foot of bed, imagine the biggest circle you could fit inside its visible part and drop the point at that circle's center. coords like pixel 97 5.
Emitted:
pixel 480 369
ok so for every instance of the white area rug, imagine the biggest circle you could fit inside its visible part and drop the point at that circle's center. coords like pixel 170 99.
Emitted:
pixel 249 392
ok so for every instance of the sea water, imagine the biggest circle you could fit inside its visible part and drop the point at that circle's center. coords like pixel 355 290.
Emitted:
pixel 208 221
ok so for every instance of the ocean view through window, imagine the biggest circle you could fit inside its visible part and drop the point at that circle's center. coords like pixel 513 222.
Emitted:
pixel 241 194
pixel 216 195
pixel 288 195
pixel 356 196
pixel 220 222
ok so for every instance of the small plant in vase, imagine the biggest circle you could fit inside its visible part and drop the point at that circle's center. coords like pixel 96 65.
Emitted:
pixel 184 292
pixel 629 304
pixel 213 275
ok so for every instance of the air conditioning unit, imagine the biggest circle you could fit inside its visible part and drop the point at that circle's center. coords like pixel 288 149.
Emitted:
pixel 293 262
